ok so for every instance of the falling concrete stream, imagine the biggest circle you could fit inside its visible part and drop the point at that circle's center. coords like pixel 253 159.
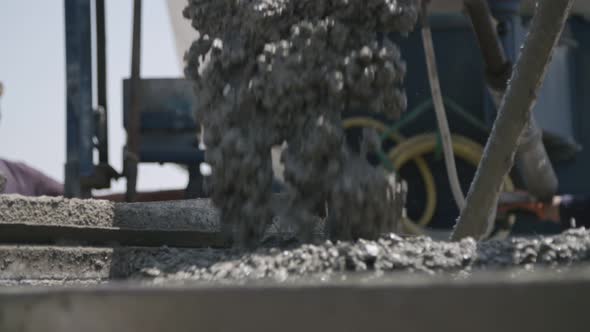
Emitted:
pixel 274 71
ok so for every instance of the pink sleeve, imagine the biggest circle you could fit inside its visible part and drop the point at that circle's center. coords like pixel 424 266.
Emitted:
pixel 25 180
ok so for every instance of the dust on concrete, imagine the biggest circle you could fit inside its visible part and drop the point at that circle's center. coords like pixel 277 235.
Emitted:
pixel 185 215
pixel 196 215
pixel 283 257
pixel 291 261
pixel 27 264
pixel 47 210
pixel 2 182
pixel 274 71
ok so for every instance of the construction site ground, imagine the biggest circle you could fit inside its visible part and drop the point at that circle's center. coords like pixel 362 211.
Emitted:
pixel 69 268
pixel 54 241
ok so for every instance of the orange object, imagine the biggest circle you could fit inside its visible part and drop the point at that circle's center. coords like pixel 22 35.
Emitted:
pixel 523 201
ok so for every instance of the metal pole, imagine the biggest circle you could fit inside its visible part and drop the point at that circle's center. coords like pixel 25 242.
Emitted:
pixel 133 138
pixel 101 69
pixel 79 113
pixel 439 108
pixel 520 98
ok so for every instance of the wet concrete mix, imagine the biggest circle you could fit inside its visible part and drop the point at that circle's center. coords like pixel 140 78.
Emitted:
pixel 273 71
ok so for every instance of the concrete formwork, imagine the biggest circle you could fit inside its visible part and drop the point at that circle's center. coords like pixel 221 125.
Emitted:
pixel 363 287
pixel 491 302
pixel 66 241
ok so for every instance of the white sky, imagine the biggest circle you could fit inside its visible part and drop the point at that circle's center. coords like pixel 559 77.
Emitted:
pixel 32 68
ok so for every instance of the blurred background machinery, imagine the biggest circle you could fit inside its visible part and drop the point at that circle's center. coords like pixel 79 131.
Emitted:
pixel 158 114
pixel 560 109
pixel 160 126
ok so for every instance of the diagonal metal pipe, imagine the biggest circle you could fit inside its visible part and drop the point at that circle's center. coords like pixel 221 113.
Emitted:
pixel 514 113
pixel 532 160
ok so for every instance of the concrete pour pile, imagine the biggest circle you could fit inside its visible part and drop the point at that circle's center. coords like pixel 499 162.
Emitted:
pixel 69 258
pixel 274 71
pixel 388 254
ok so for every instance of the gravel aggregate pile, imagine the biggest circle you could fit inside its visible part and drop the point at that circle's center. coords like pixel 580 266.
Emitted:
pixel 390 253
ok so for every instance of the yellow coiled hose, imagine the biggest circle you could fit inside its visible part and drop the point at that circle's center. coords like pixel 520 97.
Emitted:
pixel 412 149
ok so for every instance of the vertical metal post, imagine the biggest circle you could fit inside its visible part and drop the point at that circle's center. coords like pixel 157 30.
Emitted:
pixel 79 114
pixel 101 81
pixel 133 139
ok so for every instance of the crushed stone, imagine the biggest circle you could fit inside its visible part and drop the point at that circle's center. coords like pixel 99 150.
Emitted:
pixel 388 254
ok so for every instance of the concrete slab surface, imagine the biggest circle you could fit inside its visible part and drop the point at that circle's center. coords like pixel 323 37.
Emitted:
pixel 195 215
pixel 489 302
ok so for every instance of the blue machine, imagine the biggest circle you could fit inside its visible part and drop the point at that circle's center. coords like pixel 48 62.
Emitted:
pixel 167 128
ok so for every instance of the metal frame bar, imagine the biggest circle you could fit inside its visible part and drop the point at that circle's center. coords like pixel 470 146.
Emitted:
pixel 132 157
pixel 101 81
pixel 79 113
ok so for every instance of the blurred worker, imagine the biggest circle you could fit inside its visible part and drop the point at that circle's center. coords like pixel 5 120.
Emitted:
pixel 569 211
pixel 27 181
pixel 1 93
pixel 18 178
